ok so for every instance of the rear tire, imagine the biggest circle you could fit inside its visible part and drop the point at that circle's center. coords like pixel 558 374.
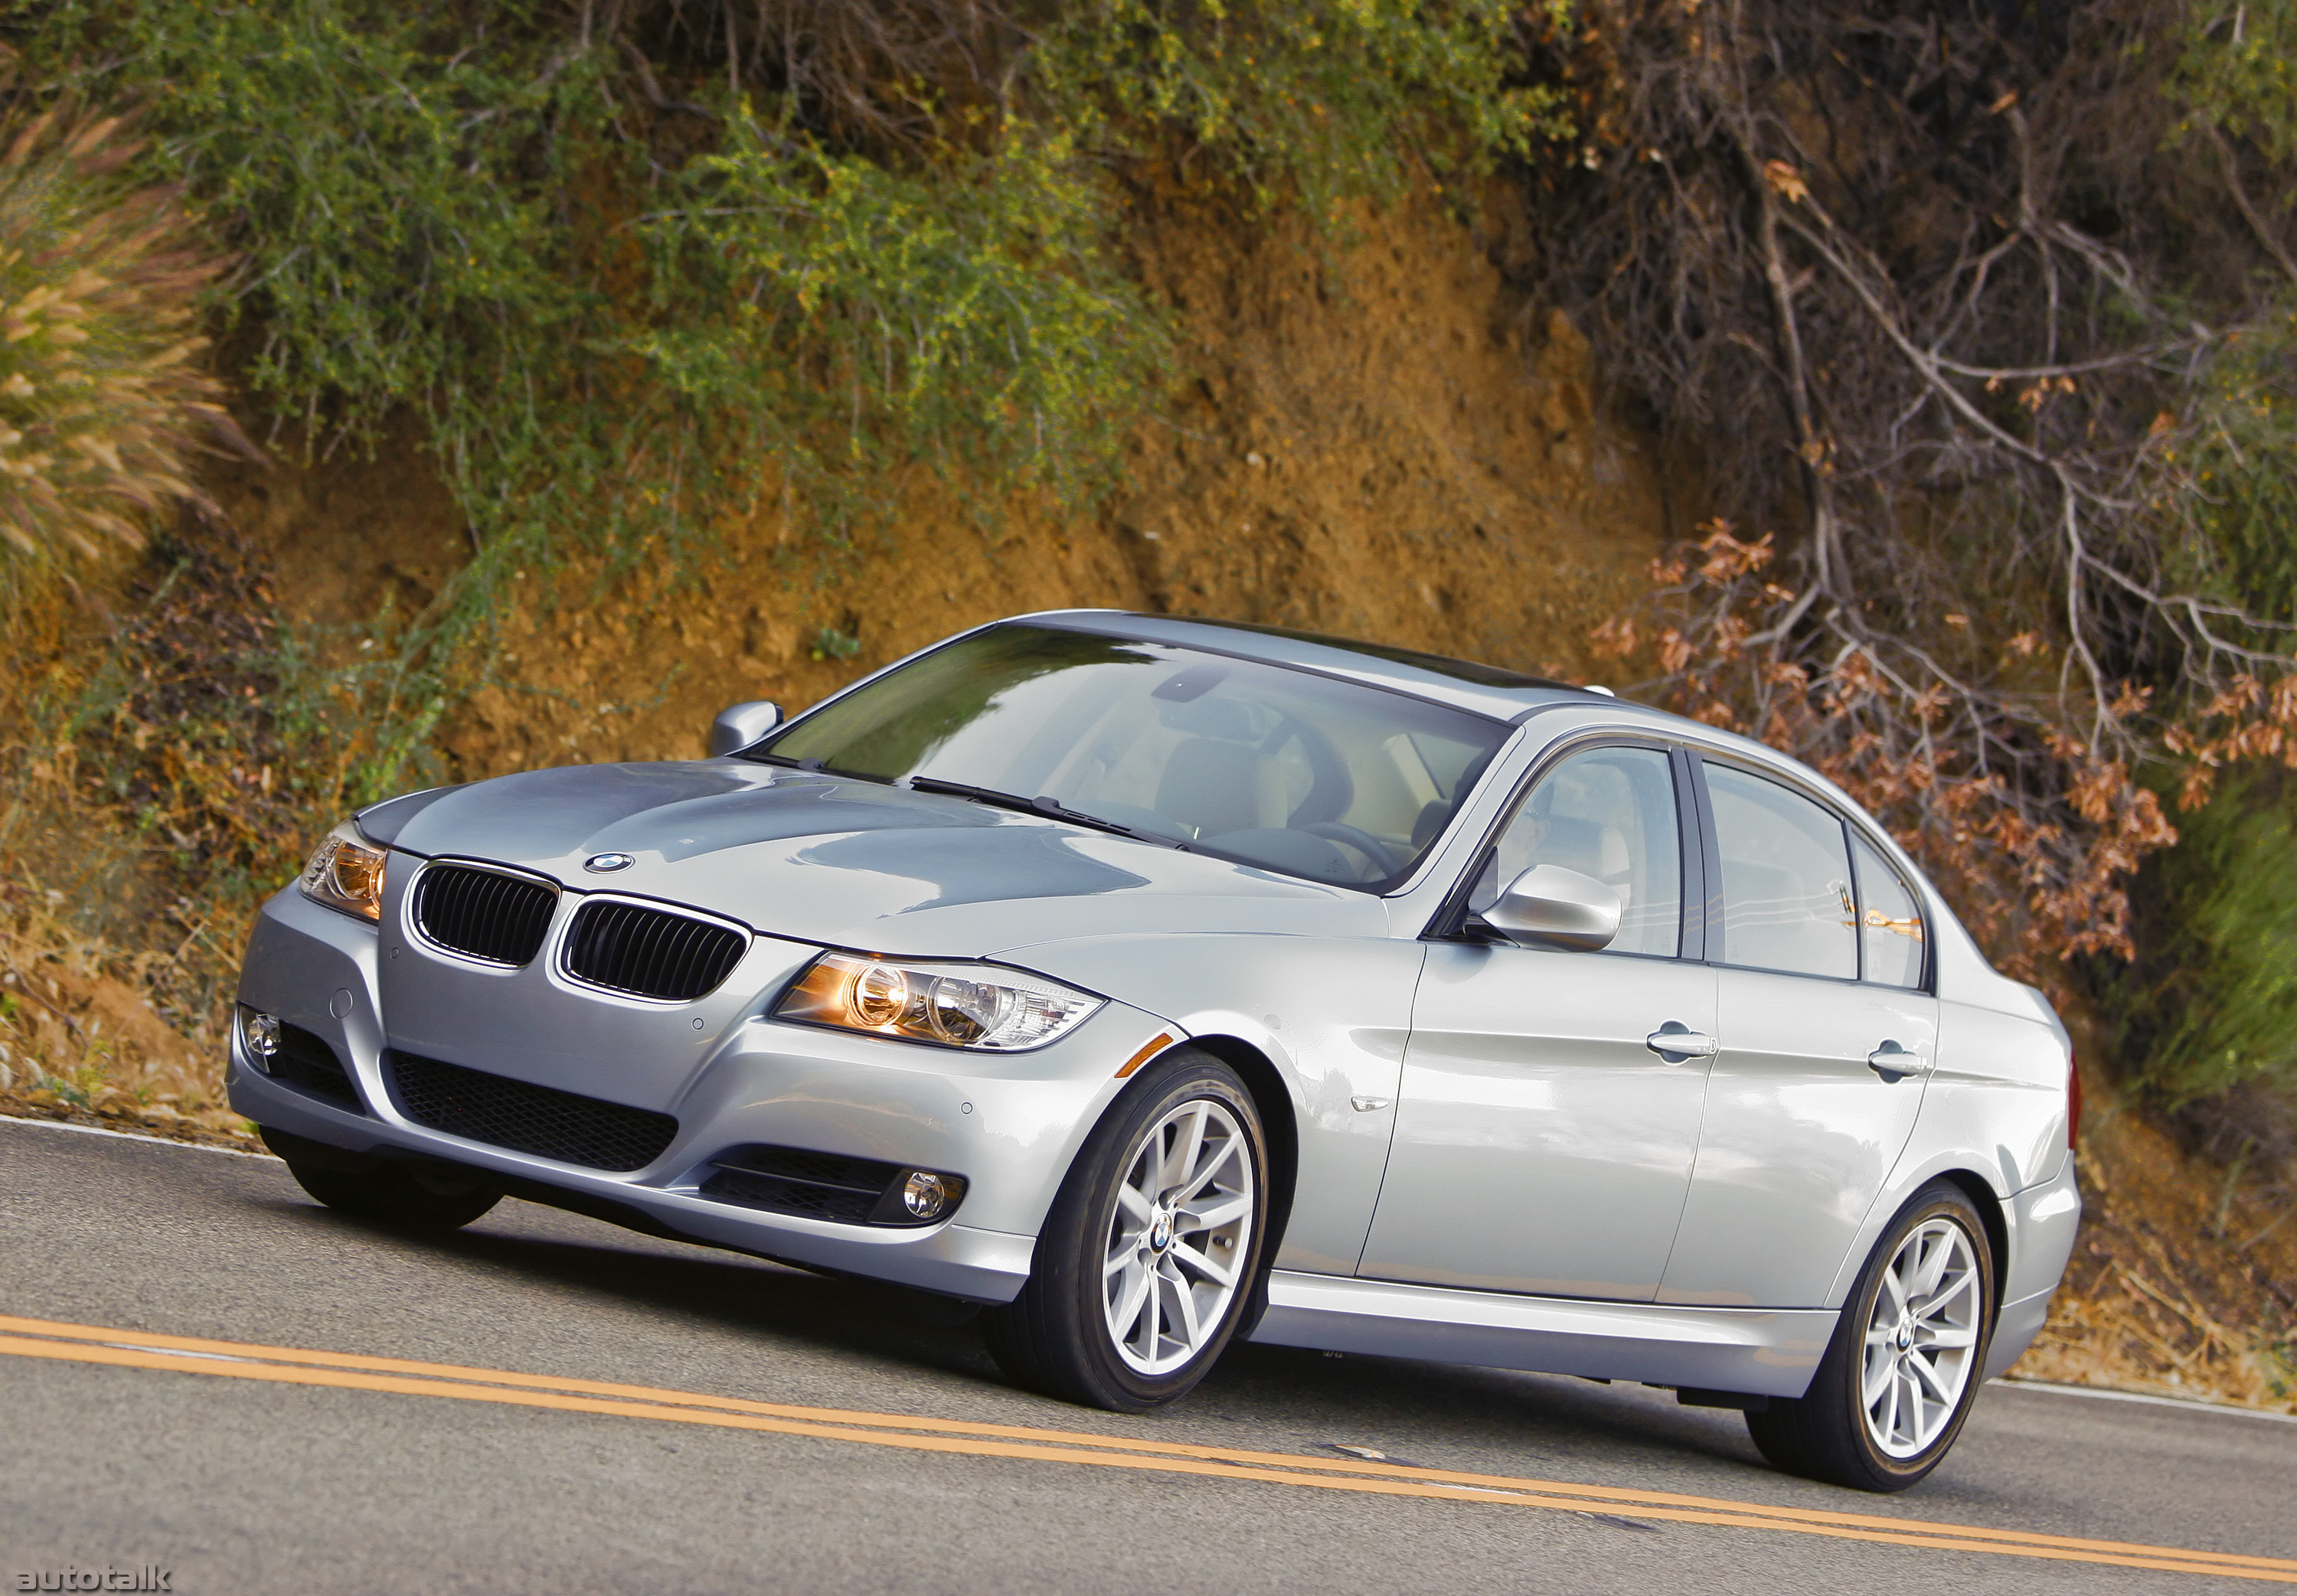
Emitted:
pixel 1150 1254
pixel 1899 1376
pixel 415 1196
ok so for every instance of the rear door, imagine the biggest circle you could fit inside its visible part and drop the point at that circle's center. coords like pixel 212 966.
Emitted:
pixel 1542 1144
pixel 1828 1033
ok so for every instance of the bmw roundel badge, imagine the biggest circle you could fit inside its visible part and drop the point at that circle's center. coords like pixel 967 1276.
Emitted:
pixel 603 862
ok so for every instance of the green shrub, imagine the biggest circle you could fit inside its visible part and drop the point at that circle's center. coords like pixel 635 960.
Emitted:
pixel 1311 102
pixel 2213 1003
pixel 969 312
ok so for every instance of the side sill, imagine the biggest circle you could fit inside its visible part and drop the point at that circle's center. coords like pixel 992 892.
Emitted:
pixel 1767 1351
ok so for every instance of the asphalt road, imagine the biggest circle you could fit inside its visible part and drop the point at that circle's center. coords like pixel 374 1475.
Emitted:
pixel 240 1471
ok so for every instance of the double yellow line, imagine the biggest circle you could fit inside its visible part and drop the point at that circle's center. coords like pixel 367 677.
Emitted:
pixel 136 1349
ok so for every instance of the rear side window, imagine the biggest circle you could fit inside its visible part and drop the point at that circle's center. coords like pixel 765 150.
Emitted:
pixel 1787 901
pixel 1889 920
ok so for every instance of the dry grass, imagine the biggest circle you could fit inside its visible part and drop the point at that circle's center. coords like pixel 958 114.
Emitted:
pixel 83 1023
pixel 101 399
pixel 2182 1283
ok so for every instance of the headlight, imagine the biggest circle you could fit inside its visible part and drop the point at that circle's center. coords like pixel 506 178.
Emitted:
pixel 958 1004
pixel 345 873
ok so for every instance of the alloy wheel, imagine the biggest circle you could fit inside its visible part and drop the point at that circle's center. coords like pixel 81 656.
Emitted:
pixel 1921 1338
pixel 1178 1237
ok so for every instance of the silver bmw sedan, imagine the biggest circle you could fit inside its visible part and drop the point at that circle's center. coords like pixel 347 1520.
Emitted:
pixel 1158 984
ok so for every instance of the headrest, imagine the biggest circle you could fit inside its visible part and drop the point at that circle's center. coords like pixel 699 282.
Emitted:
pixel 1228 719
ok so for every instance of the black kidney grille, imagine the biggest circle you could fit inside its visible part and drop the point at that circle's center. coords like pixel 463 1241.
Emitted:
pixel 561 1125
pixel 307 1064
pixel 483 913
pixel 649 952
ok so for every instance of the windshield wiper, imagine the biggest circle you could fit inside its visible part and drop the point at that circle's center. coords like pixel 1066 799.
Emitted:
pixel 1050 809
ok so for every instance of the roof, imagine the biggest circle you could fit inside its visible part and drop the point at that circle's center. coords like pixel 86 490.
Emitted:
pixel 1462 684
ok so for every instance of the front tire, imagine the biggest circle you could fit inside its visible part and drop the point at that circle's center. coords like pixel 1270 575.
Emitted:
pixel 1152 1248
pixel 1899 1376
pixel 415 1196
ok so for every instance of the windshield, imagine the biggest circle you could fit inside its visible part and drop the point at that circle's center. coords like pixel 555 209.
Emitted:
pixel 1300 773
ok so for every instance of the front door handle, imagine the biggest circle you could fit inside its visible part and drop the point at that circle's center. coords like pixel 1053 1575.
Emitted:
pixel 1675 1042
pixel 1893 1063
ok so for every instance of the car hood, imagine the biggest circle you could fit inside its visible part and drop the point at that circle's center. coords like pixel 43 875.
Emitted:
pixel 833 860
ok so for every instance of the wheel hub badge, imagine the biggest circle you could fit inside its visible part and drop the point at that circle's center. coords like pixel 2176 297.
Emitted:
pixel 1160 1231
pixel 1905 1334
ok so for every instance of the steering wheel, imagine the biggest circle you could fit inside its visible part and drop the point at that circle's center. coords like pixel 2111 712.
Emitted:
pixel 1362 841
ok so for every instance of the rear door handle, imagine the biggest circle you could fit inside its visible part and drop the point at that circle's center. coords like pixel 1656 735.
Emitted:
pixel 1894 1063
pixel 1675 1042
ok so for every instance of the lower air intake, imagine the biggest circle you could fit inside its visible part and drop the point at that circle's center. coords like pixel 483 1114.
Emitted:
pixel 650 952
pixel 846 1191
pixel 563 1126
pixel 307 1064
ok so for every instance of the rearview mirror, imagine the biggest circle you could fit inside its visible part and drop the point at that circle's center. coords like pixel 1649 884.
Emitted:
pixel 1550 906
pixel 742 726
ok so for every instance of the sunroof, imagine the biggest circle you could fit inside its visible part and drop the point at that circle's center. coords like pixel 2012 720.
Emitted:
pixel 1435 664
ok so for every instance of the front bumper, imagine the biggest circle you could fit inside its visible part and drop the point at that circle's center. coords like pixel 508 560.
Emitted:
pixel 1009 1123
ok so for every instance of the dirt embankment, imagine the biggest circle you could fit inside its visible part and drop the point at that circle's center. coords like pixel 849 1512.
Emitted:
pixel 1382 439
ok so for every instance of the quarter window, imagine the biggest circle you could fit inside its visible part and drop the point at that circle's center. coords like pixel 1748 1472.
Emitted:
pixel 1608 813
pixel 1889 920
pixel 1787 903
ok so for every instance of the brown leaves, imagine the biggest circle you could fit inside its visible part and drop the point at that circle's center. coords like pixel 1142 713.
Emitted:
pixel 1785 181
pixel 2037 867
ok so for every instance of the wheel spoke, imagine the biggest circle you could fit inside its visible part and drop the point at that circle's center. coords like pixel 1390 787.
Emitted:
pixel 1945 1340
pixel 1936 1249
pixel 1895 1290
pixel 1879 1373
pixel 1889 1425
pixel 1220 1159
pixel 1193 1259
pixel 1188 1138
pixel 1232 1207
pixel 1927 1374
pixel 1184 1298
pixel 1964 1285
pixel 1133 1206
pixel 1138 1292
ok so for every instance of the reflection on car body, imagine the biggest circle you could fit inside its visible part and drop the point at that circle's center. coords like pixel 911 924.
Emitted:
pixel 1156 982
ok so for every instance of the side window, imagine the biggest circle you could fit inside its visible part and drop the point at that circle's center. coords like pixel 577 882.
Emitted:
pixel 1786 879
pixel 1890 924
pixel 1608 813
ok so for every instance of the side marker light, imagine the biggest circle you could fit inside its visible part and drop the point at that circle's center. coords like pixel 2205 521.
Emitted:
pixel 1157 1044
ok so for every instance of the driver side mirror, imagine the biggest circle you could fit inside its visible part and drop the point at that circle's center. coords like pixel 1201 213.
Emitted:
pixel 742 726
pixel 1550 906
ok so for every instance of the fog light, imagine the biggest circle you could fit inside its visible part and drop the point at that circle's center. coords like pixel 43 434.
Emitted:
pixel 926 1195
pixel 260 1031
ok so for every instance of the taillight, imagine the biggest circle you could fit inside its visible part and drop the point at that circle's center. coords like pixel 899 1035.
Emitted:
pixel 2073 1103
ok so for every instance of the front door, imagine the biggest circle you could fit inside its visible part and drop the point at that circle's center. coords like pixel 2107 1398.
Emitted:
pixel 1542 1142
pixel 1828 1035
